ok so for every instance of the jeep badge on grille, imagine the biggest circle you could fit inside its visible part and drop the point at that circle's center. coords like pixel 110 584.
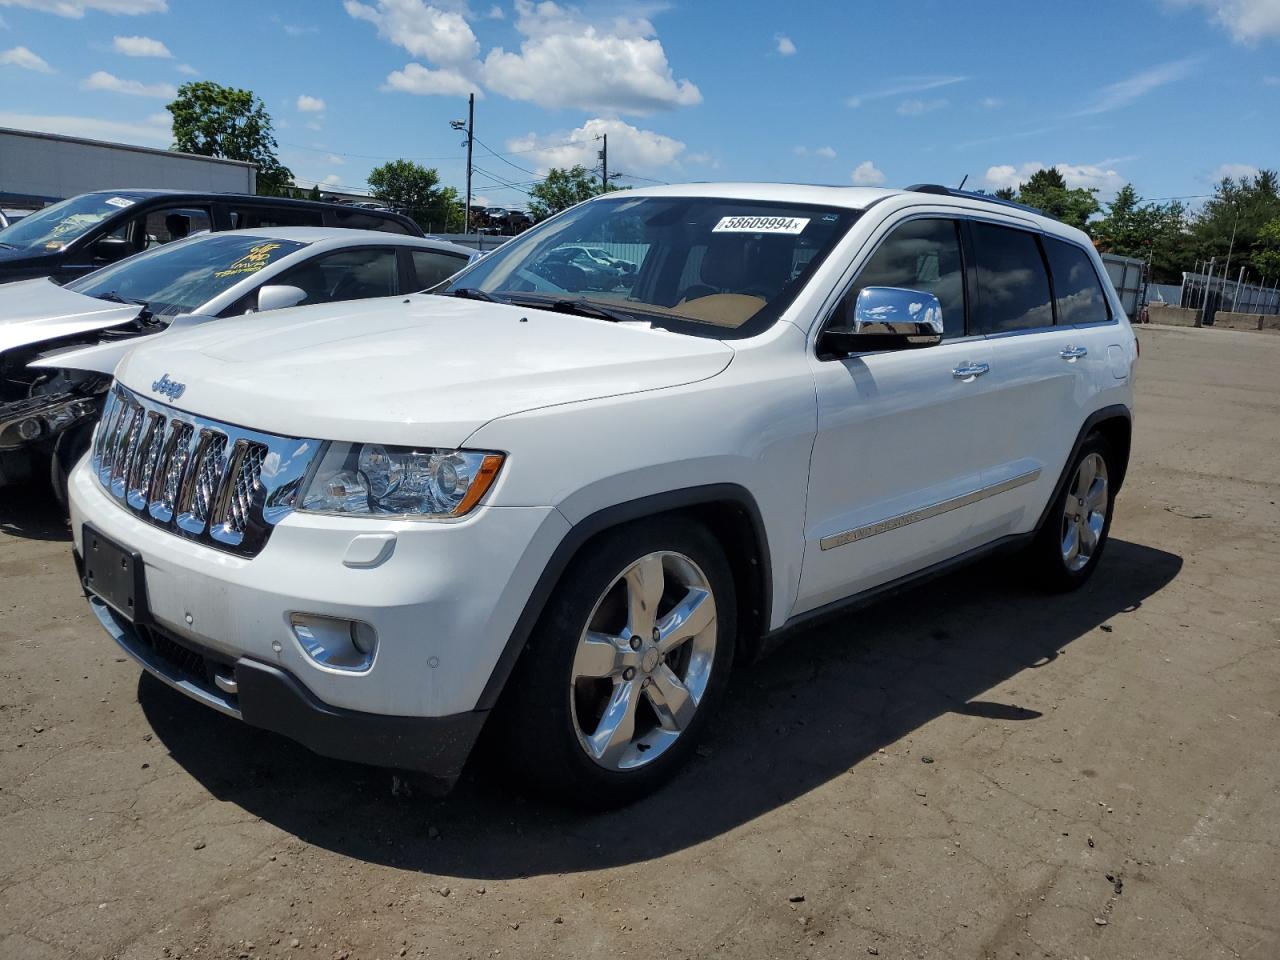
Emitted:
pixel 168 388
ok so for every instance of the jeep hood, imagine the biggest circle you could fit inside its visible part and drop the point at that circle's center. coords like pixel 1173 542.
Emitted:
pixel 418 370
pixel 36 311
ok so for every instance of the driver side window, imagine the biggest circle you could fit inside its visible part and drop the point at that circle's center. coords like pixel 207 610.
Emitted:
pixel 923 255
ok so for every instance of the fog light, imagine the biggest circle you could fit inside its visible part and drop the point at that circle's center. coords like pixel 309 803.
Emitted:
pixel 363 637
pixel 30 428
pixel 336 642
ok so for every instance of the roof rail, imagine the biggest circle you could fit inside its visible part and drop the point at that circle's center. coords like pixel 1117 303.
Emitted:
pixel 939 189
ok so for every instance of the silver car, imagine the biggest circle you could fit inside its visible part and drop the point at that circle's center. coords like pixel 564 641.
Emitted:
pixel 59 344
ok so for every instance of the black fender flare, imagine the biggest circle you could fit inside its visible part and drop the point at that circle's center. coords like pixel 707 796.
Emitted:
pixel 1115 411
pixel 606 519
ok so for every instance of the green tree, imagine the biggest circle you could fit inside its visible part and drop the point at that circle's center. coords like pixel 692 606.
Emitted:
pixel 1153 232
pixel 1047 190
pixel 562 189
pixel 314 192
pixel 1267 258
pixel 415 190
pixel 1006 193
pixel 217 121
pixel 1233 221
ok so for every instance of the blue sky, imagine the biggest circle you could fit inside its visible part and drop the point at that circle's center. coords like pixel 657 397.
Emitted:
pixel 1168 94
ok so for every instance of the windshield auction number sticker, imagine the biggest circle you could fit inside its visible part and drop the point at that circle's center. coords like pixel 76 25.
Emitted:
pixel 790 225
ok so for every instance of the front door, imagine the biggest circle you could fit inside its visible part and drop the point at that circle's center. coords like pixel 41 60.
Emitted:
pixel 894 469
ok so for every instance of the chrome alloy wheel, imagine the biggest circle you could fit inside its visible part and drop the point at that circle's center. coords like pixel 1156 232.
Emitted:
pixel 1085 513
pixel 643 661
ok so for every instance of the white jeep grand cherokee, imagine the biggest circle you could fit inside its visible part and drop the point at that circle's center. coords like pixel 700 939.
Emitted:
pixel 563 498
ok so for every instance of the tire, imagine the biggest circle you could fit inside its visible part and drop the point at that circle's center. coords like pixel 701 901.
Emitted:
pixel 70 446
pixel 569 692
pixel 1070 545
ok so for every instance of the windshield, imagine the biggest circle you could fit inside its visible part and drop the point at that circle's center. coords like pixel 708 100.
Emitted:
pixel 182 276
pixel 57 225
pixel 708 266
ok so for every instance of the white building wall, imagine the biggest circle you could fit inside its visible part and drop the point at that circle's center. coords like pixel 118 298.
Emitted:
pixel 55 167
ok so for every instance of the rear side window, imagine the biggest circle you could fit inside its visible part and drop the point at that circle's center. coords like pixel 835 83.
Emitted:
pixel 255 217
pixel 918 255
pixel 432 266
pixel 364 220
pixel 1075 284
pixel 1013 286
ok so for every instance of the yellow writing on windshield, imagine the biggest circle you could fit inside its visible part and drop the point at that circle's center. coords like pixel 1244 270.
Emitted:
pixel 253 261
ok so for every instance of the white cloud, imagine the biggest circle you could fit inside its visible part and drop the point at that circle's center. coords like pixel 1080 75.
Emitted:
pixel 75 9
pixel 440 36
pixel 496 13
pixel 564 59
pixel 914 107
pixel 314 125
pixel 866 174
pixel 1271 81
pixel 140 47
pixel 24 58
pixel 310 104
pixel 705 159
pixel 1098 176
pixel 786 46
pixel 336 160
pixel 1247 20
pixel 415 78
pixel 148 133
pixel 187 69
pixel 1126 91
pixel 568 62
pixel 630 148
pixel 295 29
pixel 1235 171
pixel 101 80
pixel 332 180
pixel 903 85
pixel 827 153
pixel 991 103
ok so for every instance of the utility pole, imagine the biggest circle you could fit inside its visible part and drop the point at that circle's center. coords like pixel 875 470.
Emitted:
pixel 470 127
pixel 471 139
pixel 604 164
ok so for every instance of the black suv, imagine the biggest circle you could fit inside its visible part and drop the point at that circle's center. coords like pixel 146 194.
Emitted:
pixel 68 239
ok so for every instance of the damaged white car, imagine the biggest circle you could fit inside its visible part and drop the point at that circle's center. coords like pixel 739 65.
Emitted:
pixel 60 344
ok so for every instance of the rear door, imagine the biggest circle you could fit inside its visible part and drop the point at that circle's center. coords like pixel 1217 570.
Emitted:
pixel 1042 370
pixel 894 463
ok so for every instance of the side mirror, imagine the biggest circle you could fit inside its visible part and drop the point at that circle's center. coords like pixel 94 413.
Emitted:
pixel 887 318
pixel 277 296
pixel 111 249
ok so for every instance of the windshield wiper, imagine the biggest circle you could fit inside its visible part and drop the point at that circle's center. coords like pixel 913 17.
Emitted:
pixel 116 298
pixel 472 293
pixel 580 307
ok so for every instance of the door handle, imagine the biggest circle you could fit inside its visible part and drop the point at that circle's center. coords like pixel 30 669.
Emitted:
pixel 1074 353
pixel 970 371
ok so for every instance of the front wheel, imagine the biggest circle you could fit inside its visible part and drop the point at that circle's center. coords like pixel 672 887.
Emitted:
pixel 625 665
pixel 1070 544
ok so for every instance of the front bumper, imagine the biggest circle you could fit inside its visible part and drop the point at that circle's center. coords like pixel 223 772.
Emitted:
pixel 270 698
pixel 443 599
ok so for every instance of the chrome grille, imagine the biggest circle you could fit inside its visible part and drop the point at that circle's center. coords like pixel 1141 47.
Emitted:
pixel 201 479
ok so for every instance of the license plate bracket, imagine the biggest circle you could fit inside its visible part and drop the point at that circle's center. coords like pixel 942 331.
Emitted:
pixel 114 574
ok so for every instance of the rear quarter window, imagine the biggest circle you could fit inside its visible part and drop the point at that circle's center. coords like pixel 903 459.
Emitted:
pixel 1076 287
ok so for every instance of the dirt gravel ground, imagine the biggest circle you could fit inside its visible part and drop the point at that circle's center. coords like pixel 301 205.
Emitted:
pixel 969 770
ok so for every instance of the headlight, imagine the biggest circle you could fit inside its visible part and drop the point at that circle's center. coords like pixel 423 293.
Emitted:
pixel 376 480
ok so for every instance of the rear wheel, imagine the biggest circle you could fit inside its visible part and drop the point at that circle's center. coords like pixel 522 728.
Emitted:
pixel 1070 544
pixel 625 666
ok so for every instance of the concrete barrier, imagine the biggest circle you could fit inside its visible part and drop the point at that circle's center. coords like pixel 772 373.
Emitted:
pixel 1237 321
pixel 1177 316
